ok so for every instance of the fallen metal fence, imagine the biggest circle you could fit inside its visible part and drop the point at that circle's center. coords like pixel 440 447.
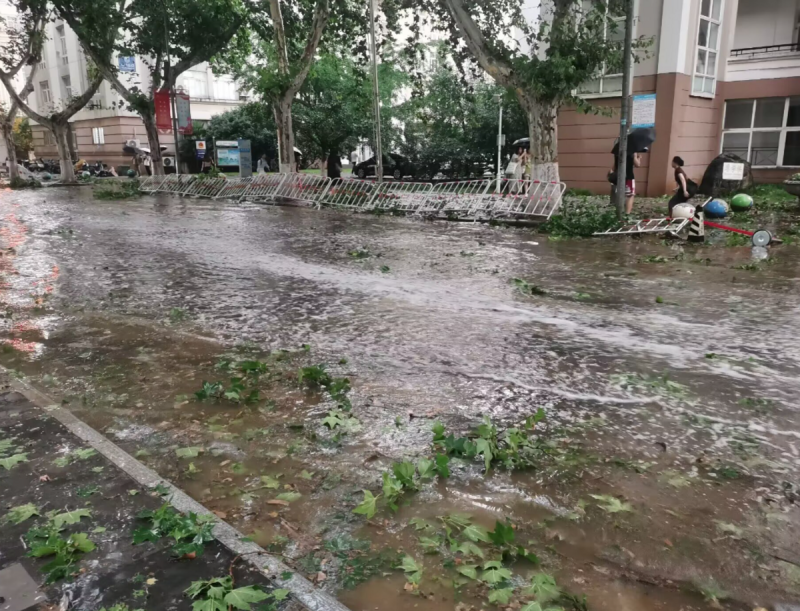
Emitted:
pixel 469 199
pixel 664 225
pixel 205 187
pixel 455 199
pixel 303 187
pixel 349 194
pixel 234 188
pixel 400 196
pixel 263 188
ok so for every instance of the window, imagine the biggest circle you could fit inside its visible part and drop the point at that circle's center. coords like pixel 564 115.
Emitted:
pixel 765 132
pixel 49 138
pixel 42 65
pixel 63 37
pixel 708 36
pixel 610 80
pixel 44 93
pixel 67 84
pixel 98 135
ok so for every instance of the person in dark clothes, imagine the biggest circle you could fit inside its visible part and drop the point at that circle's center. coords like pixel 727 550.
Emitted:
pixel 334 165
pixel 686 187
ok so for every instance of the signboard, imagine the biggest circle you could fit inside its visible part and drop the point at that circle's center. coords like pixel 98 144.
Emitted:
pixel 245 159
pixel 184 112
pixel 200 147
pixel 163 114
pixel 228 143
pixel 644 111
pixel 227 157
pixel 732 171
pixel 126 64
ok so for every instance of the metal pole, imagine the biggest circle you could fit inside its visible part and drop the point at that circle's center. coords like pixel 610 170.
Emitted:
pixel 376 95
pixel 625 110
pixel 500 147
pixel 173 106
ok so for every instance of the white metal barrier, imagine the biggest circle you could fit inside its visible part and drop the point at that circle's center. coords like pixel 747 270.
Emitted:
pixel 262 188
pixel 303 187
pixel 205 187
pixel 664 225
pixel 401 196
pixel 233 188
pixel 521 199
pixel 456 199
pixel 469 199
pixel 349 194
pixel 151 184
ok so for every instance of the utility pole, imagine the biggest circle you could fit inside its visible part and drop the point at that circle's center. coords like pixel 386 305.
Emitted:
pixel 625 111
pixel 499 99
pixel 376 95
pixel 173 105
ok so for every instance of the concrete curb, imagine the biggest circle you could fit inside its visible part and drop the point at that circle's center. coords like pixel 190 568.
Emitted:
pixel 302 589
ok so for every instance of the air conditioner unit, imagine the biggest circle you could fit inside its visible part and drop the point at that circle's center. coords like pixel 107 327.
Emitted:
pixel 133 143
pixel 169 162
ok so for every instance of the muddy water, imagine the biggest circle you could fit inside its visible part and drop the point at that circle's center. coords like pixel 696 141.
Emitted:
pixel 668 385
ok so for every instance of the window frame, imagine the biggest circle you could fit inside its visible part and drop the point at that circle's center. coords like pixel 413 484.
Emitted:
pixel 698 48
pixel 783 130
pixel 44 86
pixel 601 79
pixel 66 83
pixel 62 34
pixel 98 135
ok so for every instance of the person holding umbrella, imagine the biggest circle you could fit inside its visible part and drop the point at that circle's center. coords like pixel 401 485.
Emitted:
pixel 639 141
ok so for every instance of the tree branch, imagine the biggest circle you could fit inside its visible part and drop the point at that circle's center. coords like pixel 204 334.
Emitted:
pixel 321 16
pixel 80 101
pixel 280 36
pixel 499 70
pixel 202 55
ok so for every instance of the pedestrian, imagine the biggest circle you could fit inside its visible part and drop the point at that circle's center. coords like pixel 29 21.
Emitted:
pixel 633 160
pixel 354 158
pixel 205 166
pixel 263 164
pixel 687 188
pixel 516 169
pixel 334 165
pixel 148 160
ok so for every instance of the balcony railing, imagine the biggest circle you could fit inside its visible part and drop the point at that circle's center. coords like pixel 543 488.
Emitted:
pixel 770 51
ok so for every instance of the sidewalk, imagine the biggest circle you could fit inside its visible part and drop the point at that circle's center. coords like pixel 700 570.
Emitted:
pixel 45 467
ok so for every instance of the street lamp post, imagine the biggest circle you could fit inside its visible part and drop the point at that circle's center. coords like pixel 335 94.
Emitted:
pixel 499 99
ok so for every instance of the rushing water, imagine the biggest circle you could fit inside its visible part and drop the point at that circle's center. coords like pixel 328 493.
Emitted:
pixel 687 365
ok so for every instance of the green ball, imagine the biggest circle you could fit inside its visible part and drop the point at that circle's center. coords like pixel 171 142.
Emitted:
pixel 46 176
pixel 741 201
pixel 131 173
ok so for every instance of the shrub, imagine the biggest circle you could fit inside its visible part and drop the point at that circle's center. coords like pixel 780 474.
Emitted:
pixel 580 218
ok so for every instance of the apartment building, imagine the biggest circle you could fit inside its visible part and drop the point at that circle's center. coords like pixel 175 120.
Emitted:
pixel 8 20
pixel 105 124
pixel 726 78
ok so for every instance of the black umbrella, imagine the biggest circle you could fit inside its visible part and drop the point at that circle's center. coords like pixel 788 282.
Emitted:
pixel 523 142
pixel 639 140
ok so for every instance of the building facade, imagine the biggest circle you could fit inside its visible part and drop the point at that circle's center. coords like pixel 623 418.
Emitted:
pixel 726 78
pixel 103 126
pixel 8 20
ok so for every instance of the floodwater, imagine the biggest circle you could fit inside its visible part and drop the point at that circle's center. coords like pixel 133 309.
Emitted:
pixel 671 386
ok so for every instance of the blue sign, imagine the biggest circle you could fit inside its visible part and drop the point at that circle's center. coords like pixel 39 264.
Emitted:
pixel 126 64
pixel 227 157
pixel 644 111
pixel 245 159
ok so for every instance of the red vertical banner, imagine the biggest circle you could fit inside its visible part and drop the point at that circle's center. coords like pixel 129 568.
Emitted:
pixel 163 114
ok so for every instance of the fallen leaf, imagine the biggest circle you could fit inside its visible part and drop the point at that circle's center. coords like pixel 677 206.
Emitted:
pixel 273 514
pixel 224 463
pixel 321 577
pixel 220 514
pixel 278 502
pixel 190 556
pixel 45 478
pixel 151 581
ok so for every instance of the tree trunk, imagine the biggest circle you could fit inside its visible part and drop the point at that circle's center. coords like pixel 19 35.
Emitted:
pixel 154 143
pixel 8 137
pixel 283 120
pixel 73 154
pixel 543 130
pixel 60 132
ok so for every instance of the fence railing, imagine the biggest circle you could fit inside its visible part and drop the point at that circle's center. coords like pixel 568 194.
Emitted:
pixel 477 200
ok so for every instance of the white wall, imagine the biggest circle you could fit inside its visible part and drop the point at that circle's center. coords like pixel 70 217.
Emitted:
pixel 766 22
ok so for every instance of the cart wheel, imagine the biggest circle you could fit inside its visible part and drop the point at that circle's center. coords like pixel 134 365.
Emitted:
pixel 762 238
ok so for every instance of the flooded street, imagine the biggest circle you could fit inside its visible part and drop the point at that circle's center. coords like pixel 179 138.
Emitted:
pixel 667 459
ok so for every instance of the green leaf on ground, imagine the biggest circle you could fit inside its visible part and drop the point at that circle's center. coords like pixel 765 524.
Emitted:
pixel 367 507
pixel 289 497
pixel 84 453
pixel 468 548
pixel 611 504
pixel 476 533
pixel 242 598
pixel 495 573
pixel 421 524
pixel 99 529
pixel 238 468
pixel 501 596
pixel 70 517
pixel 412 569
pixel 730 529
pixel 270 482
pixel 543 588
pixel 306 475
pixel 426 468
pixel 503 534
pixel 468 570
pixel 430 545
pixel 12 461
pixel 189 452
pixel 17 515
